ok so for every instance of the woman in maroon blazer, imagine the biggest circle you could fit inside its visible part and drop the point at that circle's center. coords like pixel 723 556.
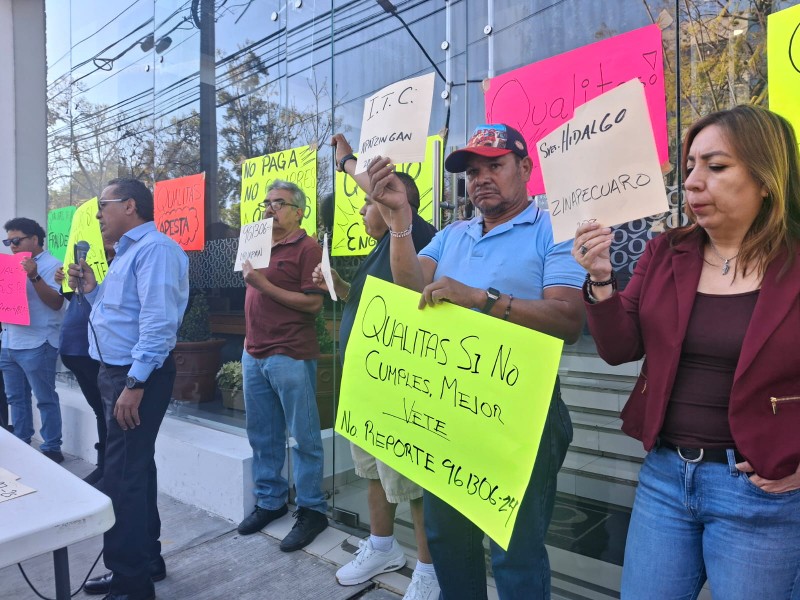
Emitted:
pixel 714 307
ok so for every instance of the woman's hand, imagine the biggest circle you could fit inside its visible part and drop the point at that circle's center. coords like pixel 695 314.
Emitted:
pixel 772 486
pixel 591 249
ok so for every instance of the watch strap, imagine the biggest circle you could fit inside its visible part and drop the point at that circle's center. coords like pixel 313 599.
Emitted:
pixel 345 158
pixel 492 296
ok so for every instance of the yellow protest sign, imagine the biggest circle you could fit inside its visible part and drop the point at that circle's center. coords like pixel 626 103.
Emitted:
pixel 297 165
pixel 349 236
pixel 85 227
pixel 450 398
pixel 783 63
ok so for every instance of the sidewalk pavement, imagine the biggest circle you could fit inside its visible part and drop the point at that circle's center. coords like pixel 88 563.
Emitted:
pixel 208 560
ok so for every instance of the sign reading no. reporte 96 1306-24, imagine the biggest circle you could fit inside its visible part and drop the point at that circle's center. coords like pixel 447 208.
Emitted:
pixel 450 398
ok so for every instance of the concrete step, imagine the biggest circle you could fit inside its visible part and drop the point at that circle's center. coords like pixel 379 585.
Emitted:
pixel 611 479
pixel 601 433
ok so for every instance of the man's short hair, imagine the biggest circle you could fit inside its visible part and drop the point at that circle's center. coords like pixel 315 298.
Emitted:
pixel 298 196
pixel 495 139
pixel 127 187
pixel 412 191
pixel 28 227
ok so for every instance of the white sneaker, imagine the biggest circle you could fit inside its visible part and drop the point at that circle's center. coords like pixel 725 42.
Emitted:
pixel 422 587
pixel 370 562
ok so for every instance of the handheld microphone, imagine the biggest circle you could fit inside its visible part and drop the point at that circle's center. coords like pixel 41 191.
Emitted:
pixel 80 251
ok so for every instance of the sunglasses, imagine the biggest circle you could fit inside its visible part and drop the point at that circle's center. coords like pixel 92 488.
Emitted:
pixel 15 241
pixel 101 205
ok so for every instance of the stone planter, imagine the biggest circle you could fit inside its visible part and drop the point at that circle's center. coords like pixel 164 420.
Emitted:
pixel 197 364
pixel 232 399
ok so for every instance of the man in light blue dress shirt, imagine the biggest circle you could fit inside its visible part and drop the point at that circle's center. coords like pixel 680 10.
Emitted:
pixel 135 316
pixel 29 352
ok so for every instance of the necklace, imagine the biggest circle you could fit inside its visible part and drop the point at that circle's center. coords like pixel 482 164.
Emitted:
pixel 725 261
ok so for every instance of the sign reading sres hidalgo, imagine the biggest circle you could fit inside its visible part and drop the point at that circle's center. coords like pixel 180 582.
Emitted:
pixel 296 165
pixel 179 210
pixel 602 165
pixel 451 398
pixel 783 64
pixel 349 236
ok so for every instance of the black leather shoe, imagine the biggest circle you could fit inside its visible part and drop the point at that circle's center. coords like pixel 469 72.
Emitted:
pixel 54 455
pixel 102 584
pixel 260 518
pixel 310 523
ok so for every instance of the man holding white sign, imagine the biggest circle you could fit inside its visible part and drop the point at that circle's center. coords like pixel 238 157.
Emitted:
pixel 279 368
pixel 509 246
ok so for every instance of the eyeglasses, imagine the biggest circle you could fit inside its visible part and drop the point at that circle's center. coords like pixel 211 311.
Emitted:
pixel 275 205
pixel 15 241
pixel 101 205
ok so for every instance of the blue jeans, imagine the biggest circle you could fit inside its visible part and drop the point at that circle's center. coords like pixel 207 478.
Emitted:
pixel 280 393
pixel 693 521
pixel 523 571
pixel 33 370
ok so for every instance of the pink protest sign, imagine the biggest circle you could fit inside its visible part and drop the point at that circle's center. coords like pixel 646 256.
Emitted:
pixel 540 97
pixel 13 297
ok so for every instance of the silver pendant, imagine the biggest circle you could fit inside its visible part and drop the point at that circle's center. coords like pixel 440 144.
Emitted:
pixel 726 267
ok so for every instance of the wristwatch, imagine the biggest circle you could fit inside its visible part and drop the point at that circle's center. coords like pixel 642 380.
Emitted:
pixel 344 160
pixel 492 296
pixel 134 384
pixel 34 279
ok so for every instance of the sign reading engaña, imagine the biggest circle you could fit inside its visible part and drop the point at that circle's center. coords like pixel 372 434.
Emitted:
pixel 395 122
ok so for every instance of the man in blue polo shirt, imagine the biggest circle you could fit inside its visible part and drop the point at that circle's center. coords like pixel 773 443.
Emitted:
pixel 503 263
pixel 135 316
pixel 28 354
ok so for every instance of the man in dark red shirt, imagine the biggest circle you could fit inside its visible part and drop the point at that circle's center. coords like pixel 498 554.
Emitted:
pixel 279 366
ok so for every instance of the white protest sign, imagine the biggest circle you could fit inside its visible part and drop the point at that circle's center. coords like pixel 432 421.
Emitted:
pixel 602 165
pixel 395 122
pixel 10 487
pixel 326 268
pixel 255 244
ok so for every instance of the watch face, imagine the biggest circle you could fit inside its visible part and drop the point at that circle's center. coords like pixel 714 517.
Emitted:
pixel 130 382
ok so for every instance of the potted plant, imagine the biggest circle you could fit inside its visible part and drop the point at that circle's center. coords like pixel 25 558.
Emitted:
pixel 197 356
pixel 329 374
pixel 229 380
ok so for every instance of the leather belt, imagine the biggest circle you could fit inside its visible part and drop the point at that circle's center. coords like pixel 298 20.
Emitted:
pixel 696 455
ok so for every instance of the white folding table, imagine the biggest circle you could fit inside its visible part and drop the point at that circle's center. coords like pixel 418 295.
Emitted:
pixel 62 511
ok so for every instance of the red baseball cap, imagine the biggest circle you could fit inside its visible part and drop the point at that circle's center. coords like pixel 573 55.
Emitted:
pixel 488 140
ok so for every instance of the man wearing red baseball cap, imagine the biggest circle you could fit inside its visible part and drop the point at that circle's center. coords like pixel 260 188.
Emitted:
pixel 503 263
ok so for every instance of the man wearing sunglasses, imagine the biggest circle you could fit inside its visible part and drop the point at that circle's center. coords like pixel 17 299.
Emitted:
pixel 136 312
pixel 28 354
pixel 279 367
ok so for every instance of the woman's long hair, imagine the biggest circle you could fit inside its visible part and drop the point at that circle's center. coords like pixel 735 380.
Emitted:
pixel 766 143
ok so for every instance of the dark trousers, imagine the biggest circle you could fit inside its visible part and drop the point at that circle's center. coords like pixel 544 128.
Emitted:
pixel 130 478
pixel 85 369
pixel 523 571
pixel 3 403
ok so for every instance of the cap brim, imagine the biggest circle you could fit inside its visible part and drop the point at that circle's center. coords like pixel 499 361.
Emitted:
pixel 457 161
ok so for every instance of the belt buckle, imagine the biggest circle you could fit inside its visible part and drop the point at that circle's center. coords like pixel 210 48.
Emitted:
pixel 690 460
